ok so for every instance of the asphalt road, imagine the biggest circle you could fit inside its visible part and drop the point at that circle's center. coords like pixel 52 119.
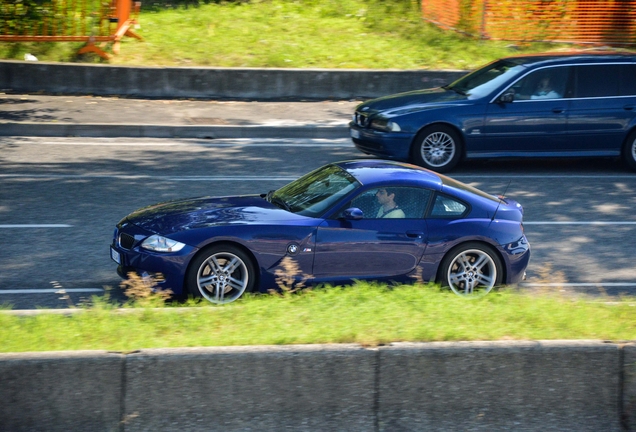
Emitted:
pixel 61 198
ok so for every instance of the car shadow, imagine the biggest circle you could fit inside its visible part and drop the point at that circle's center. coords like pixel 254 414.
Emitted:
pixel 546 166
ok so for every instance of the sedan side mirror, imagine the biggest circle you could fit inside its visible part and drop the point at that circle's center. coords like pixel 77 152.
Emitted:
pixel 353 213
pixel 507 97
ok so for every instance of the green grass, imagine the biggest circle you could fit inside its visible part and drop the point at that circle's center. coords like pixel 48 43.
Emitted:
pixel 375 34
pixel 365 313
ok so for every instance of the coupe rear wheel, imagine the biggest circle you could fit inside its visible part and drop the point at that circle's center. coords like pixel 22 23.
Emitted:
pixel 629 151
pixel 221 274
pixel 471 269
pixel 437 148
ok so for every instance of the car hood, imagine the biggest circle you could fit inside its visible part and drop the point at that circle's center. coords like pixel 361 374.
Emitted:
pixel 403 103
pixel 187 214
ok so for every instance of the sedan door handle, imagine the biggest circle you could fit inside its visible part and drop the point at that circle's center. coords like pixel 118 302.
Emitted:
pixel 628 107
pixel 558 110
pixel 415 234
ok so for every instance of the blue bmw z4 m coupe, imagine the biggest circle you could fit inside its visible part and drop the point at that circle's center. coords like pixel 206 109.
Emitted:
pixel 363 219
pixel 544 105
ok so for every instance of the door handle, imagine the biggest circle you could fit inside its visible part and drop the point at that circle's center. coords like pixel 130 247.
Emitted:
pixel 628 107
pixel 558 110
pixel 415 234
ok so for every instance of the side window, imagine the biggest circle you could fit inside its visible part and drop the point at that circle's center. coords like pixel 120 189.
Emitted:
pixel 596 80
pixel 392 203
pixel 628 80
pixel 445 206
pixel 549 83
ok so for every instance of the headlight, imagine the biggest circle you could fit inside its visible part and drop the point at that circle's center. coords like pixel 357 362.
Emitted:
pixel 158 243
pixel 385 125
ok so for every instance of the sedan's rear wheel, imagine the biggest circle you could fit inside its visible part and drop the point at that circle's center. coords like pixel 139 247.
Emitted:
pixel 471 269
pixel 437 148
pixel 629 151
pixel 221 274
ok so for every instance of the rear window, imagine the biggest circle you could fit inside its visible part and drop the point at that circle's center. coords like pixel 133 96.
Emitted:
pixel 597 80
pixel 446 206
pixel 628 80
pixel 605 80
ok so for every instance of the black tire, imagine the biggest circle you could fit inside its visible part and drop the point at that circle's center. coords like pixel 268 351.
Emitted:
pixel 471 269
pixel 221 274
pixel 438 148
pixel 629 151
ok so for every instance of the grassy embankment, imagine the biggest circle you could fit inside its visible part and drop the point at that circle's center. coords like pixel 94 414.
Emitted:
pixel 364 313
pixel 292 34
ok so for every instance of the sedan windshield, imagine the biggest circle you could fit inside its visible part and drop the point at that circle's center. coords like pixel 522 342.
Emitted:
pixel 314 193
pixel 487 79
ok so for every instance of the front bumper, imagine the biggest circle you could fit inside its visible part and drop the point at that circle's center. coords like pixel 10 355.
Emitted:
pixel 133 258
pixel 392 145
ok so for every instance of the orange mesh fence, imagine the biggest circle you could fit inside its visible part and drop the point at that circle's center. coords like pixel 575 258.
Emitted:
pixel 580 21
pixel 55 19
pixel 66 21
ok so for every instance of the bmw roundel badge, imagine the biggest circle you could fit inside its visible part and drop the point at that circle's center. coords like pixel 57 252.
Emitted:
pixel 292 249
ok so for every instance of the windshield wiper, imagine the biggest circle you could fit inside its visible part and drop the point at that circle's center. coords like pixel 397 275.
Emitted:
pixel 280 203
pixel 456 90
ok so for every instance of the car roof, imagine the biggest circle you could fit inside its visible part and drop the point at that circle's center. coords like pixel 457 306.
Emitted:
pixel 370 171
pixel 568 57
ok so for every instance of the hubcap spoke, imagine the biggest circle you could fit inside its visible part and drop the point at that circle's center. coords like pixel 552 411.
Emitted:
pixel 232 265
pixel 484 280
pixel 481 262
pixel 214 265
pixel 235 283
pixel 206 280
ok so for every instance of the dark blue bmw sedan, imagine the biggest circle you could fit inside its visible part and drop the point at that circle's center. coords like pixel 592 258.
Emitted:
pixel 367 219
pixel 544 105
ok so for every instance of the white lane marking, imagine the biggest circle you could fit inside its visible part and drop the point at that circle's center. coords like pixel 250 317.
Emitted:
pixel 5 226
pixel 146 177
pixel 258 178
pixel 598 223
pixel 225 142
pixel 212 178
pixel 548 176
pixel 581 284
pixel 522 284
pixel 50 290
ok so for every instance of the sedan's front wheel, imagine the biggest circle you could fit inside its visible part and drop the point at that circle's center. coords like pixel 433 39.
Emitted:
pixel 437 148
pixel 629 151
pixel 221 274
pixel 471 269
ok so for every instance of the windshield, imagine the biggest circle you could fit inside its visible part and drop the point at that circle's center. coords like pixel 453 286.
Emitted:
pixel 487 79
pixel 314 193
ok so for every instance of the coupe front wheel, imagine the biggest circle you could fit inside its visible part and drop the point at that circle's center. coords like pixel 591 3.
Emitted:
pixel 221 274
pixel 437 148
pixel 471 269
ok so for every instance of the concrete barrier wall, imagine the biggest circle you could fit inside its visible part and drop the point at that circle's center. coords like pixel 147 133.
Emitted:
pixel 628 392
pixel 489 386
pixel 61 391
pixel 214 83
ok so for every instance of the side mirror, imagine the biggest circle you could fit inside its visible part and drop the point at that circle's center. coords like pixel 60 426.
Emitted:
pixel 353 213
pixel 507 97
